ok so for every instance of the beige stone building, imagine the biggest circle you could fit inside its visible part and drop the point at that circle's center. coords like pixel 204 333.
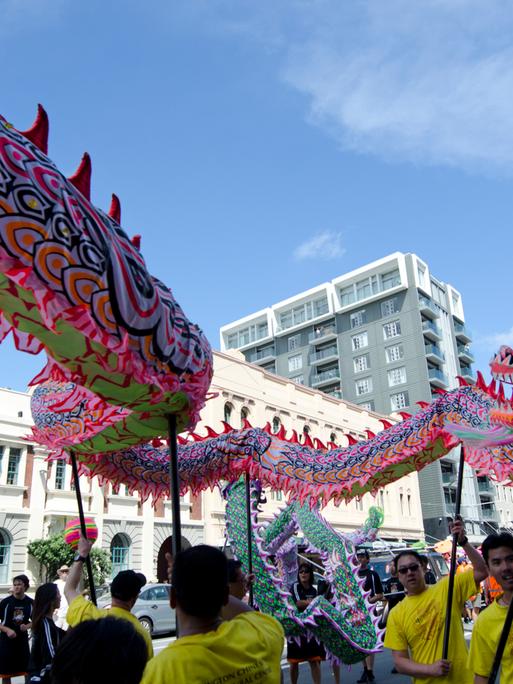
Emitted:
pixel 37 499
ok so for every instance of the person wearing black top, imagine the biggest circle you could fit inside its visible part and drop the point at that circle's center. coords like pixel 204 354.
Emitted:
pixel 303 593
pixel 46 636
pixel 393 588
pixel 372 583
pixel 15 613
pixel 429 575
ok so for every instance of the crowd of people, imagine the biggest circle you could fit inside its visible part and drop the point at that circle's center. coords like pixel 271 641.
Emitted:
pixel 222 639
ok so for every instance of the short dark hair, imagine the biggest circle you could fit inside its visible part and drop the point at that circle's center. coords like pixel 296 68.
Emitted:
pixel 127 584
pixel 407 553
pixel 423 559
pixel 233 566
pixel 363 552
pixel 104 650
pixel 495 541
pixel 200 580
pixel 22 578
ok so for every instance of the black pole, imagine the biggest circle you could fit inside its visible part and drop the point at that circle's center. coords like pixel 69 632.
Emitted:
pixel 502 645
pixel 89 566
pixel 249 531
pixel 174 482
pixel 452 571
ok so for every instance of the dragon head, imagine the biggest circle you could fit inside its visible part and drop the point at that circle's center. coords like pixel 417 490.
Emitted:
pixel 502 370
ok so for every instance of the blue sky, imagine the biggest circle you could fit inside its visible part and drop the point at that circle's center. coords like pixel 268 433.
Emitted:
pixel 236 133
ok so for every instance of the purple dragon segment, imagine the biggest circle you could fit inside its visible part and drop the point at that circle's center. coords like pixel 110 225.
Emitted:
pixel 72 282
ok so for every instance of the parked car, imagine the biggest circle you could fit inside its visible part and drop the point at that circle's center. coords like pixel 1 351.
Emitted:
pixel 152 608
pixel 380 562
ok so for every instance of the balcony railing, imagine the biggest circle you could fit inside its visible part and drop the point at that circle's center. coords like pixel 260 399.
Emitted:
pixel 432 350
pixel 335 393
pixel 437 377
pixel 467 373
pixel 326 376
pixel 262 355
pixel 430 329
pixel 461 332
pixel 485 486
pixel 427 307
pixel 449 478
pixel 322 333
pixel 323 354
pixel 464 352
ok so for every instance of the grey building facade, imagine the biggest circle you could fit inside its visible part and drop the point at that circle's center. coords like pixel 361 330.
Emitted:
pixel 384 337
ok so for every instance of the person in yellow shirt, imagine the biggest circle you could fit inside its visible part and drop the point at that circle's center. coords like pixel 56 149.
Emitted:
pixel 415 627
pixel 124 590
pixel 497 550
pixel 245 646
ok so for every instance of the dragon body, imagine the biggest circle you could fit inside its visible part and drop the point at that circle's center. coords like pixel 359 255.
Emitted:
pixel 346 623
pixel 73 283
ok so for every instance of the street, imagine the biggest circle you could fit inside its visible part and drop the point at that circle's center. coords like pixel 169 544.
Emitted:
pixel 382 667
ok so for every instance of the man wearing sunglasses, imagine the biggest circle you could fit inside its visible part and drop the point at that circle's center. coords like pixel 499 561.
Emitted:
pixel 415 627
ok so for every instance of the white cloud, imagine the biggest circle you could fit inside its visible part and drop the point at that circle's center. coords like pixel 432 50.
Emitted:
pixel 495 340
pixel 324 245
pixel 429 81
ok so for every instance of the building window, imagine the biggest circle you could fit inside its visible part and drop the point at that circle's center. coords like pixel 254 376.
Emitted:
pixel 244 415
pixel 333 438
pixel 381 500
pixel 392 329
pixel 401 501
pixel 347 295
pixel 396 376
pixel 358 318
pixel 389 307
pixel 363 386
pixel 395 353
pixel 5 554
pixel 60 474
pixel 421 274
pixel 361 363
pixel 228 408
pixel 367 405
pixel 13 466
pixel 276 424
pixel 277 495
pixel 306 429
pixel 298 379
pixel 399 401
pixel 359 505
pixel 408 500
pixel 390 279
pixel 303 312
pixel 295 362
pixel 119 552
pixel 245 336
pixel 294 342
pixel 360 341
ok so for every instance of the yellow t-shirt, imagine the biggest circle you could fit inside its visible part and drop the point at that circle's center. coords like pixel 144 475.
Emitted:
pixel 485 639
pixel 81 610
pixel 243 650
pixel 417 625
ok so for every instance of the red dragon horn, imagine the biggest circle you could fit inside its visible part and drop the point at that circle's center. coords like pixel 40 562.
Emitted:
pixel 423 404
pixel 351 440
pixel 500 393
pixel 370 434
pixel 282 433
pixel 386 423
pixel 136 241
pixel 461 381
pixel 81 179
pixel 246 424
pixel 480 382
pixel 319 444
pixel 38 132
pixel 268 428
pixel 307 440
pixel 226 427
pixel 115 209
pixel 404 415
pixel 294 439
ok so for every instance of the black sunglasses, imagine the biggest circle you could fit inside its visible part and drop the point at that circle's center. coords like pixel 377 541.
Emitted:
pixel 413 567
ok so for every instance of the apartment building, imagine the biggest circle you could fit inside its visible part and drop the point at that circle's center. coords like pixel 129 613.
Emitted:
pixel 37 497
pixel 384 336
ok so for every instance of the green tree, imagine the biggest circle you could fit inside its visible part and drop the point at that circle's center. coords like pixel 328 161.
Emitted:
pixel 53 552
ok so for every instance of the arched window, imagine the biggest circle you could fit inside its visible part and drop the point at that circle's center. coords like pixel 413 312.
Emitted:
pixel 5 557
pixel 120 553
pixel 333 438
pixel 306 430
pixel 244 414
pixel 276 424
pixel 228 408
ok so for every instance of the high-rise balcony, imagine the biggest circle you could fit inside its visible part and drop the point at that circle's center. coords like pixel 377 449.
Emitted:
pixel 427 307
pixel 437 378
pixel 262 355
pixel 322 333
pixel 323 355
pixel 464 353
pixel 449 478
pixel 337 394
pixel 461 332
pixel 468 373
pixel 485 486
pixel 431 330
pixel 326 376
pixel 434 353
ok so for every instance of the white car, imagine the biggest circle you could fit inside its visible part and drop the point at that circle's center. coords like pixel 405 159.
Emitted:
pixel 152 608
